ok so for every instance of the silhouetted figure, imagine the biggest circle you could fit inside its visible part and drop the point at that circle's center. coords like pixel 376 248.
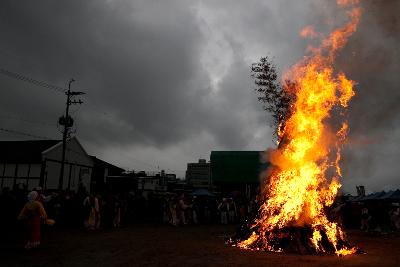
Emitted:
pixel 91 207
pixel 365 219
pixel 223 209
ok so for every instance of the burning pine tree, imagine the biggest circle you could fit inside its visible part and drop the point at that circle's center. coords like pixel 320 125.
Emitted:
pixel 304 178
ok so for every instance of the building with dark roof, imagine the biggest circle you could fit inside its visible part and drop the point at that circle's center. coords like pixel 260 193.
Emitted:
pixel 37 163
pixel 24 151
pixel 101 171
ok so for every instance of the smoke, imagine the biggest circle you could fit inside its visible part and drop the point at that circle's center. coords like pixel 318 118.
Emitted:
pixel 372 59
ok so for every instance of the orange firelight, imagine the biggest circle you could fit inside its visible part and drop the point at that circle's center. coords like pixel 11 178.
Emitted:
pixel 304 179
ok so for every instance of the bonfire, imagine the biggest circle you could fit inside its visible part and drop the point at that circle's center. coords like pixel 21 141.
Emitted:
pixel 304 177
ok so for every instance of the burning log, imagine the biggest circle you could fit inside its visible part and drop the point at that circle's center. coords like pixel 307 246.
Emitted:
pixel 290 239
pixel 304 178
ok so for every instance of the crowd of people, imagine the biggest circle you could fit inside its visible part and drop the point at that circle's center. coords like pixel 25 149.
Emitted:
pixel 377 217
pixel 181 209
pixel 31 210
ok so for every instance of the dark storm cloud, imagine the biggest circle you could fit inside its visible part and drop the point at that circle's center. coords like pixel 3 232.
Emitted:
pixel 169 81
pixel 137 62
pixel 372 156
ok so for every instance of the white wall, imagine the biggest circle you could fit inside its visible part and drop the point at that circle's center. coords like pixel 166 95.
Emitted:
pixel 74 153
pixel 79 173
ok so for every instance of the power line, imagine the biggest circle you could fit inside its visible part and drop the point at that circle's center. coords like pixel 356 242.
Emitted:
pixel 32 81
pixel 25 134
pixel 25 120
pixel 47 85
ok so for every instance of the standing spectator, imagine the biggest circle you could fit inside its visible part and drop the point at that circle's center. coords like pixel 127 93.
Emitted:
pixel 195 210
pixel 172 208
pixel 32 213
pixel 99 200
pixel 91 207
pixel 117 211
pixel 242 211
pixel 223 209
pixel 365 218
pixel 337 213
pixel 207 211
pixel 42 198
pixel 166 210
pixel 181 207
pixel 231 211
pixel 395 218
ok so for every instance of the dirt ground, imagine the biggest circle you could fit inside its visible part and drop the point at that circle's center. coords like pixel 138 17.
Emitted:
pixel 162 245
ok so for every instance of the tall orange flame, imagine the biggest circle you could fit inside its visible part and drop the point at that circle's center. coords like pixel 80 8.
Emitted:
pixel 304 179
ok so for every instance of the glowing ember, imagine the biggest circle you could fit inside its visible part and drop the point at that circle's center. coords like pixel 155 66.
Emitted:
pixel 304 179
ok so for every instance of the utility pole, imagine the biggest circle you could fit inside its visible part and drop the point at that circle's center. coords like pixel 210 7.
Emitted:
pixel 67 122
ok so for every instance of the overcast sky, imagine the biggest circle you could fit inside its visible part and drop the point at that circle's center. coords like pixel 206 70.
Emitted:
pixel 167 82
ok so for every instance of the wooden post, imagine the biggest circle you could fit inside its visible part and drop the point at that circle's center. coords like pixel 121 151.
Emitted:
pixel 69 176
pixel 42 170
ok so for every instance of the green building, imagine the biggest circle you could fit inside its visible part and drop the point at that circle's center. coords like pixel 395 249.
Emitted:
pixel 237 171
